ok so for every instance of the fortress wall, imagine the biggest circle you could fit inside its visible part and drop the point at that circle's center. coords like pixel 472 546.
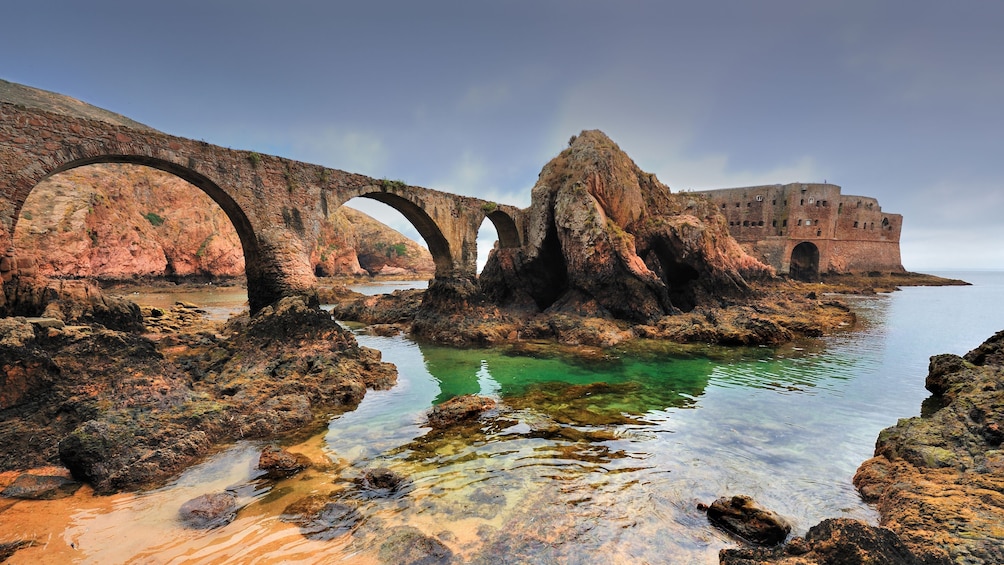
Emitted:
pixel 851 232
pixel 856 256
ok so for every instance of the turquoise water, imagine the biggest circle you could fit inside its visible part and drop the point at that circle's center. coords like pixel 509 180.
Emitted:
pixel 787 426
pixel 595 458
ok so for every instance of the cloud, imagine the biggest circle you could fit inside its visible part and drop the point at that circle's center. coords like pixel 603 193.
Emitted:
pixel 356 151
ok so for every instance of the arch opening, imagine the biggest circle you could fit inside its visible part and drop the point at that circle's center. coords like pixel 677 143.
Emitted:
pixel 120 221
pixel 804 265
pixel 488 241
pixel 380 239
pixel 114 220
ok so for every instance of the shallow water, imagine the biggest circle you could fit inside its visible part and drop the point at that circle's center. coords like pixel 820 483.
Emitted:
pixel 595 459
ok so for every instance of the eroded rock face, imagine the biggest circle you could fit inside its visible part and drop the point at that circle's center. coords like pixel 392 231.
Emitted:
pixel 938 480
pixel 120 414
pixel 607 239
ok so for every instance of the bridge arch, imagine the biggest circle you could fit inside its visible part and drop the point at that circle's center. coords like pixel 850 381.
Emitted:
pixel 804 264
pixel 239 220
pixel 439 246
pixel 506 228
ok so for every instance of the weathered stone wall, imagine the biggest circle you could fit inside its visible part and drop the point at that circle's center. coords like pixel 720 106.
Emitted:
pixel 851 232
pixel 275 204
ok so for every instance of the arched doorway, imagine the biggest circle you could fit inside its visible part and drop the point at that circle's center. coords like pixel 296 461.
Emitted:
pixel 804 264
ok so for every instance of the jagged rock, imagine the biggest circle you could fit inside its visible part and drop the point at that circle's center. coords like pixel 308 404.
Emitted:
pixel 40 487
pixel 72 302
pixel 464 408
pixel 937 480
pixel 839 541
pixel 279 463
pixel 209 510
pixel 606 239
pixel 740 516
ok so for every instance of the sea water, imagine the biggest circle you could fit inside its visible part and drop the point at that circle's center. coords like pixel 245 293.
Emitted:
pixel 593 456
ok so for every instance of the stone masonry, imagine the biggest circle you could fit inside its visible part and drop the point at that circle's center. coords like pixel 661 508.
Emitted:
pixel 811 226
pixel 276 205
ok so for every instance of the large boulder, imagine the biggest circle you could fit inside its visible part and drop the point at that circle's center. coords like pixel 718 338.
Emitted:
pixel 740 516
pixel 607 239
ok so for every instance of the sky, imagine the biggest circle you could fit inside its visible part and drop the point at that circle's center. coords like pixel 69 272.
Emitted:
pixel 898 100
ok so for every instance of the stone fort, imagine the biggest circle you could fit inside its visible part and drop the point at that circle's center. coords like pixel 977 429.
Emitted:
pixel 805 229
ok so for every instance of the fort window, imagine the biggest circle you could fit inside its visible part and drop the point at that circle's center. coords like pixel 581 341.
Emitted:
pixel 819 203
pixel 737 204
pixel 855 224
pixel 759 198
pixel 885 222
pixel 760 223
pixel 801 202
pixel 784 223
pixel 819 233
pixel 746 224
pixel 773 224
pixel 800 222
pixel 808 222
pixel 840 208
pixel 773 202
pixel 813 201
pixel 748 204
pixel 824 203
pixel 723 205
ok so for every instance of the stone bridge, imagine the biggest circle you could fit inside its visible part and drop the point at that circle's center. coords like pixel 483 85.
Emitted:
pixel 276 205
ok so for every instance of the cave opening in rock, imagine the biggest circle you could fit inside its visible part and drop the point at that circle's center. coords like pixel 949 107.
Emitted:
pixel 678 276
pixel 804 264
pixel 548 271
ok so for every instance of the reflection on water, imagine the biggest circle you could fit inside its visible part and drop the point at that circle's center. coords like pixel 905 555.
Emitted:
pixel 590 459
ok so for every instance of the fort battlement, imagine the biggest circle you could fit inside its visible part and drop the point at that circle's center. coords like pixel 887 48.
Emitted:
pixel 804 229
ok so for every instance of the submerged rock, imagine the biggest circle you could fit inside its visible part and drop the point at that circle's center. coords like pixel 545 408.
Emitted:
pixel 320 518
pixel 406 545
pixel 460 409
pixel 740 516
pixel 209 510
pixel 382 482
pixel 278 463
pixel 40 487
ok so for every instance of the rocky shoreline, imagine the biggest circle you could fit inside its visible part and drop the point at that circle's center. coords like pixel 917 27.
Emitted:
pixel 126 401
pixel 73 377
pixel 936 479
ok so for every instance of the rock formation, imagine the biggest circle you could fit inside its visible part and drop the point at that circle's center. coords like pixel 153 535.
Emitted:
pixel 607 239
pixel 938 479
pixel 117 222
